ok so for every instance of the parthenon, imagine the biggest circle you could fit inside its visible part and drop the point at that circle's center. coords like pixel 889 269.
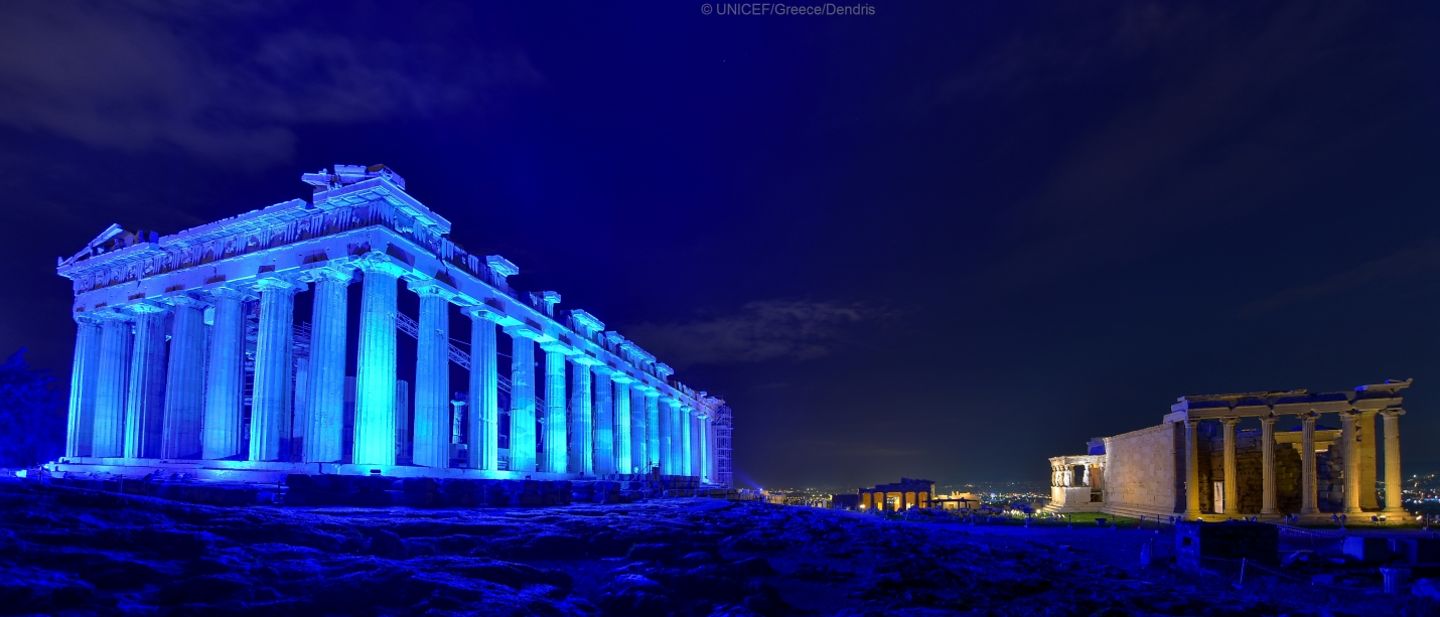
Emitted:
pixel 189 356
pixel 1202 462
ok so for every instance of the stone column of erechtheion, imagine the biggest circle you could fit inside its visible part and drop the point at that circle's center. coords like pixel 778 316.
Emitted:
pixel 1267 464
pixel 1308 481
pixel 1192 469
pixel 1394 503
pixel 1232 492
pixel 1351 454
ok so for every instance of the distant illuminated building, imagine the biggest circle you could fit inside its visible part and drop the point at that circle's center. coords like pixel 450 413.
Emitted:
pixel 956 501
pixel 190 357
pixel 906 494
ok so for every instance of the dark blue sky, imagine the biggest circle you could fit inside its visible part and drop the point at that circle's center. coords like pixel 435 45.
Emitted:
pixel 947 240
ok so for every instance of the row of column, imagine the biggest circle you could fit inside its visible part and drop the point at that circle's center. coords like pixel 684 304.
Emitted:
pixel 1308 475
pixel 127 401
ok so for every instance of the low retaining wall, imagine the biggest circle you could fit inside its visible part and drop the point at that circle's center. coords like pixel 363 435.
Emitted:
pixel 383 491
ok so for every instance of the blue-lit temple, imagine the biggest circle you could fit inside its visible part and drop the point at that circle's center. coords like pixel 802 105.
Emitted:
pixel 190 356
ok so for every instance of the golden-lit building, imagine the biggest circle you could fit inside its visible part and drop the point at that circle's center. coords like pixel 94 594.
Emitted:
pixel 903 495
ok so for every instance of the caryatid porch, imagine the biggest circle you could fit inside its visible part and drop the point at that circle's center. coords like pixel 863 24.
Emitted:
pixel 189 355
pixel 1355 444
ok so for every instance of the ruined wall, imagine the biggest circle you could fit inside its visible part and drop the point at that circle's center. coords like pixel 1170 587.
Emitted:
pixel 1142 469
pixel 1249 460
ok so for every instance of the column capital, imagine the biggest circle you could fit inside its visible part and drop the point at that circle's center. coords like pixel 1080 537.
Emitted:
pixel 1268 420
pixel 1349 416
pixel 278 283
pixel 144 307
pixel 621 377
pixel 1308 417
pixel 1393 412
pixel 649 390
pixel 88 318
pixel 558 347
pixel 525 332
pixel 183 300
pixel 1230 421
pixel 431 287
pixel 483 312
pixel 340 271
pixel 584 359
pixel 377 262
pixel 110 313
pixel 227 292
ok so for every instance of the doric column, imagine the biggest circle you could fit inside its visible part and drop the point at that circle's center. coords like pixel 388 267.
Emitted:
pixel 522 398
pixel 667 429
pixel 623 452
pixel 1394 497
pixel 225 372
pixel 1351 452
pixel 324 433
pixel 557 446
pixel 1192 468
pixel 1267 464
pixel 1308 481
pixel 677 448
pixel 652 428
pixel 639 430
pixel 484 450
pixel 375 387
pixel 1232 492
pixel 84 370
pixel 432 376
pixel 687 451
pixel 604 421
pixel 145 399
pixel 696 452
pixel 185 381
pixel 269 406
pixel 582 417
pixel 111 382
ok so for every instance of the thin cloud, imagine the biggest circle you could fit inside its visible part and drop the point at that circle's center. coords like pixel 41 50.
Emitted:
pixel 761 331
pixel 124 76
pixel 1405 265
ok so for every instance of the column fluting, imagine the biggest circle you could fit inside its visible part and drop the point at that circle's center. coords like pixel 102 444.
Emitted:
pixel 484 450
pixel 111 383
pixel 1308 481
pixel 522 399
pixel 375 380
pixel 225 372
pixel 1394 487
pixel 325 381
pixel 145 400
pixel 84 372
pixel 432 377
pixel 557 455
pixel 1192 469
pixel 604 421
pixel 269 405
pixel 623 452
pixel 185 381
pixel 1232 489
pixel 1267 465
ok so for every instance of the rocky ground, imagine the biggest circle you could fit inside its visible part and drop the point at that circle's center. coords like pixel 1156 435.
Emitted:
pixel 70 551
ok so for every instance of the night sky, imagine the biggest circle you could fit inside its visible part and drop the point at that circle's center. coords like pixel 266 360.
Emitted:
pixel 948 240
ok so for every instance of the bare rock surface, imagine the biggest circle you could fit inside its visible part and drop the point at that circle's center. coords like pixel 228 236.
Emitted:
pixel 75 551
